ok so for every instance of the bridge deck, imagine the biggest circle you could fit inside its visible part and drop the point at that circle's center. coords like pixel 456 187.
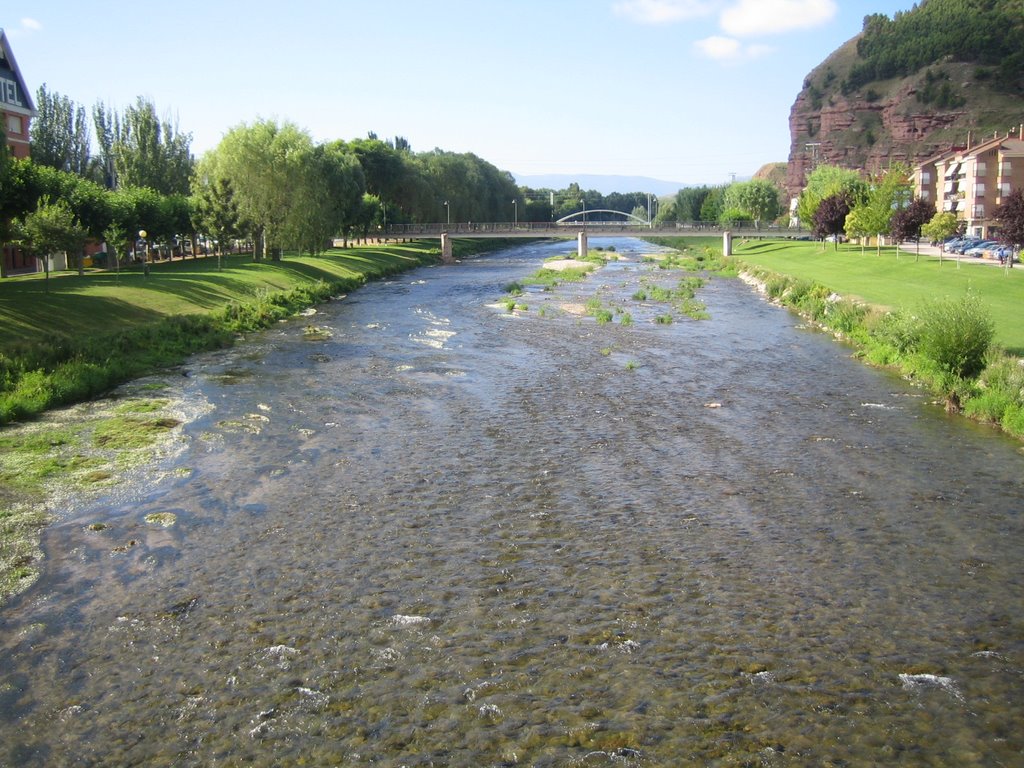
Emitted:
pixel 570 230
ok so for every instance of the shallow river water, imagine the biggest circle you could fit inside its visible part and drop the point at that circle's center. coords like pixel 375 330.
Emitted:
pixel 447 535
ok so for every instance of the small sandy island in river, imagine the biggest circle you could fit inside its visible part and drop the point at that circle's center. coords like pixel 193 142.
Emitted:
pixel 559 264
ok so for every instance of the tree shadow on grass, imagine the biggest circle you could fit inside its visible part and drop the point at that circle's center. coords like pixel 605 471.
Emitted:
pixel 763 247
pixel 70 304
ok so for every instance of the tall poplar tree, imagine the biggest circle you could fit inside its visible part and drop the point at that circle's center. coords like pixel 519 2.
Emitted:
pixel 138 149
pixel 60 135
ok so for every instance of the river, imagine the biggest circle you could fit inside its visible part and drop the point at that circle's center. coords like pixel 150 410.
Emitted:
pixel 427 531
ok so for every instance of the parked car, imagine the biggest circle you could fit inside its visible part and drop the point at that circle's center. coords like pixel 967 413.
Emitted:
pixel 978 249
pixel 964 245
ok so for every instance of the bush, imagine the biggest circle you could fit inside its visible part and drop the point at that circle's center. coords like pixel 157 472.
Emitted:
pixel 776 285
pixel 845 315
pixel 1001 396
pixel 1013 420
pixel 899 330
pixel 809 297
pixel 955 335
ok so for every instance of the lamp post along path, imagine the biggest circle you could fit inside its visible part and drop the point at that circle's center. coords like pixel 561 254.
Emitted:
pixel 145 255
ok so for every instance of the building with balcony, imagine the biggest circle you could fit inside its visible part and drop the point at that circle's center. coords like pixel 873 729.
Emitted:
pixel 973 179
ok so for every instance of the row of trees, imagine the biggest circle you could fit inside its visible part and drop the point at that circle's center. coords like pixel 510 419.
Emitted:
pixel 290 192
pixel 272 184
pixel 268 182
pixel 137 148
pixel 756 201
pixel 837 201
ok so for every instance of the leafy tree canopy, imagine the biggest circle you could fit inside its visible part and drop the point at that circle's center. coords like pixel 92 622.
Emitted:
pixel 827 181
pixel 1010 215
pixel 907 222
pixel 830 216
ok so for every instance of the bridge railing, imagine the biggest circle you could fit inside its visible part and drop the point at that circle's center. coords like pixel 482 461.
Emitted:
pixel 568 229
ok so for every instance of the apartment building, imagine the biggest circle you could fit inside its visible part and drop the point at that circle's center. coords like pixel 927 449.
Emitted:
pixel 972 179
pixel 16 111
pixel 16 107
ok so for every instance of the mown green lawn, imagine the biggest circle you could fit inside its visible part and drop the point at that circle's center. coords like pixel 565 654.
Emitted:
pixel 106 301
pixel 902 282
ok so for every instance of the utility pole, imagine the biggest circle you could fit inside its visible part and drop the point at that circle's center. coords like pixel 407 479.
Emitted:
pixel 813 146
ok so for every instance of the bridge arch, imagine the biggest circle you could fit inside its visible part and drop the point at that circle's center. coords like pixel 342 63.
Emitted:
pixel 629 218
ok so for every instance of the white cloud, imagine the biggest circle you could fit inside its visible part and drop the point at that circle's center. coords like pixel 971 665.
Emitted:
pixel 720 48
pixel 757 51
pixel 729 50
pixel 27 26
pixel 753 18
pixel 662 11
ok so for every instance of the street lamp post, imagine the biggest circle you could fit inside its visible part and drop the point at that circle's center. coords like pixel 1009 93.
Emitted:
pixel 448 213
pixel 515 214
pixel 584 212
pixel 145 255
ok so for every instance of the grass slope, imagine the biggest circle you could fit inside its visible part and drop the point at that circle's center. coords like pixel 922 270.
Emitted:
pixel 898 282
pixel 103 301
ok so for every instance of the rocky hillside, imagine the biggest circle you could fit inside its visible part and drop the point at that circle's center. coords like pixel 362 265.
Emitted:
pixel 907 88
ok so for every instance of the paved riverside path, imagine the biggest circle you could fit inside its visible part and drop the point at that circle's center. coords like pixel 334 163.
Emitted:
pixel 932 252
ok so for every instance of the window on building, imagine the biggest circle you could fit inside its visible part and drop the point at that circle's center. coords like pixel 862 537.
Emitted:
pixel 979 189
pixel 1005 168
pixel 980 168
pixel 1004 188
pixel 979 211
pixel 14 124
pixel 926 177
pixel 925 194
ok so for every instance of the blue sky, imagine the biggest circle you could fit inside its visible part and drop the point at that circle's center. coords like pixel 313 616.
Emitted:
pixel 690 91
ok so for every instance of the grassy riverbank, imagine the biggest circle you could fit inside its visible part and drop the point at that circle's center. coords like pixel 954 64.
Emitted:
pixel 86 334
pixel 90 333
pixel 916 315
pixel 897 280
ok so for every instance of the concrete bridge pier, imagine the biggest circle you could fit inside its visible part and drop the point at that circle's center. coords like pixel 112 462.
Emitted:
pixel 446 249
pixel 581 245
pixel 727 243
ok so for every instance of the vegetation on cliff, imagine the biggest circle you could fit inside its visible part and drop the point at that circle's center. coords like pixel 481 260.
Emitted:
pixel 989 33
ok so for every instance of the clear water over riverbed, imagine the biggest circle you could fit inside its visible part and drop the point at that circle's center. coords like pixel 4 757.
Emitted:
pixel 446 535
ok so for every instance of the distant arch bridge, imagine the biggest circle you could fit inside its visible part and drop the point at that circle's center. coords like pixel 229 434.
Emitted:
pixel 580 217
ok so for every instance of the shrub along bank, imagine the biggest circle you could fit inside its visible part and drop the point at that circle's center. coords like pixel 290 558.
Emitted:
pixel 946 328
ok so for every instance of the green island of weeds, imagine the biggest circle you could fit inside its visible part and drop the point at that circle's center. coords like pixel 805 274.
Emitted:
pixel 90 333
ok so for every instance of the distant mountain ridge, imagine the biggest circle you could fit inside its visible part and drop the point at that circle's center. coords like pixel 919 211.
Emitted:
pixel 605 184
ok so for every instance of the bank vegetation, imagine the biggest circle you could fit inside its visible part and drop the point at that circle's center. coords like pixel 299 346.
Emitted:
pixel 953 331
